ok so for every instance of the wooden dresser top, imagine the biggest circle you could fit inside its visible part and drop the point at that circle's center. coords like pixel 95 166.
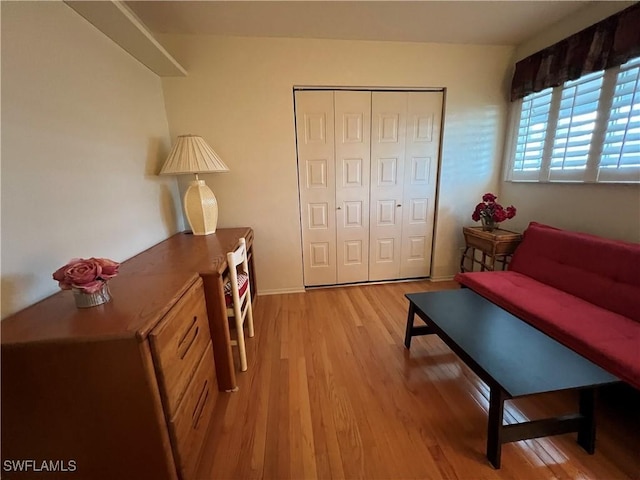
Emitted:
pixel 145 289
pixel 137 304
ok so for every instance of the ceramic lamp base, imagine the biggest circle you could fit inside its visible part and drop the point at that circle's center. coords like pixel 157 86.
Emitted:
pixel 201 208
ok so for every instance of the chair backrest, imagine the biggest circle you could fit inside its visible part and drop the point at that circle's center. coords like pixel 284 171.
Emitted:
pixel 238 256
pixel 241 297
pixel 235 259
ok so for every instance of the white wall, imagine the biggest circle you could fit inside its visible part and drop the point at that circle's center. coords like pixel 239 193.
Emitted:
pixel 612 211
pixel 239 97
pixel 83 129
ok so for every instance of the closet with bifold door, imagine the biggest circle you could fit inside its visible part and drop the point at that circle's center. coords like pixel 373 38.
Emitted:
pixel 367 173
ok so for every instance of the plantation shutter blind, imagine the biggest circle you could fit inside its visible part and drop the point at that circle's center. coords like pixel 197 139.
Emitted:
pixel 532 135
pixel 575 127
pixel 575 113
pixel 586 130
pixel 621 146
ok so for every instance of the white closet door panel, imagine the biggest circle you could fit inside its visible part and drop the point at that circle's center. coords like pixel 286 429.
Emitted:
pixel 316 177
pixel 367 164
pixel 353 159
pixel 388 117
pixel 424 110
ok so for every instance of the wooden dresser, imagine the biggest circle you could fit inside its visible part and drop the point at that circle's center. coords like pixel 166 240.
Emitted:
pixel 125 389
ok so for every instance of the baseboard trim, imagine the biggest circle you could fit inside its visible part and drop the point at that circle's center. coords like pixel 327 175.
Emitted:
pixel 281 291
pixel 377 282
pixel 284 291
pixel 442 279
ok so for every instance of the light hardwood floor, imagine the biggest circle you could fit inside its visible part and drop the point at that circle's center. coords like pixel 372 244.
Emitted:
pixel 331 392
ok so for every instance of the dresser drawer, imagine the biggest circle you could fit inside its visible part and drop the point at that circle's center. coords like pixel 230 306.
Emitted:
pixel 188 427
pixel 177 344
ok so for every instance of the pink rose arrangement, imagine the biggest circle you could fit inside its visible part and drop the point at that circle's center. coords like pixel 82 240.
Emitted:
pixel 87 275
pixel 491 211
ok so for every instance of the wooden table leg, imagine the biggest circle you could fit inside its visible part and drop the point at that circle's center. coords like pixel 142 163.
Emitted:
pixel 409 329
pixel 494 431
pixel 491 263
pixel 587 430
pixel 462 259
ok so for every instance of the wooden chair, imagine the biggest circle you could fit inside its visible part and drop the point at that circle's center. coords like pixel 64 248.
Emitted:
pixel 237 293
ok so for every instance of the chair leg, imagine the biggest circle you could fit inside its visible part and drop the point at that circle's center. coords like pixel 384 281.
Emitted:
pixel 250 315
pixel 240 334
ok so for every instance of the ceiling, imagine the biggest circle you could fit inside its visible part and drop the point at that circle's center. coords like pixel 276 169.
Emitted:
pixel 469 22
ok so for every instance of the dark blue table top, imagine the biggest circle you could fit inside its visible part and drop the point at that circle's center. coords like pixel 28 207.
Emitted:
pixel 519 358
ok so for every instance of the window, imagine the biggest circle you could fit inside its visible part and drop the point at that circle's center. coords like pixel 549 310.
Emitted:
pixel 586 130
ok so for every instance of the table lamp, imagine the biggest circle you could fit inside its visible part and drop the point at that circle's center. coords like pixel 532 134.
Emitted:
pixel 191 154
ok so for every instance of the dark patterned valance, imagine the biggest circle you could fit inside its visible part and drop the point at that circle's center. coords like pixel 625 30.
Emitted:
pixel 608 43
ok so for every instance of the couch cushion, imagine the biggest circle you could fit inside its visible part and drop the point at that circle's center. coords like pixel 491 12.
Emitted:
pixel 607 338
pixel 602 271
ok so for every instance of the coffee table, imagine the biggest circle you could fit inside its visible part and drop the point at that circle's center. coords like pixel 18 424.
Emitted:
pixel 514 359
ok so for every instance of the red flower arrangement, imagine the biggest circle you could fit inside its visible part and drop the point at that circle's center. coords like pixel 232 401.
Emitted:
pixel 86 275
pixel 491 212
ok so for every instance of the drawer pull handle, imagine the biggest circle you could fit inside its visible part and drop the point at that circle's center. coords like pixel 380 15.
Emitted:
pixel 185 345
pixel 202 401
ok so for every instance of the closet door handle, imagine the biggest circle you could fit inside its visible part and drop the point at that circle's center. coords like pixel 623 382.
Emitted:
pixel 399 205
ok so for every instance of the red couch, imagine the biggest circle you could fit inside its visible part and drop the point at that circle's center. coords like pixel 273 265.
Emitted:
pixel 580 289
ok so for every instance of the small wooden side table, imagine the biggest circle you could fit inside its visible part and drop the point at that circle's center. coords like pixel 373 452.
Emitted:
pixel 496 246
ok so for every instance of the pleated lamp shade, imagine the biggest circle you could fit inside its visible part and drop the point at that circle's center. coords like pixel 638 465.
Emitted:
pixel 191 154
